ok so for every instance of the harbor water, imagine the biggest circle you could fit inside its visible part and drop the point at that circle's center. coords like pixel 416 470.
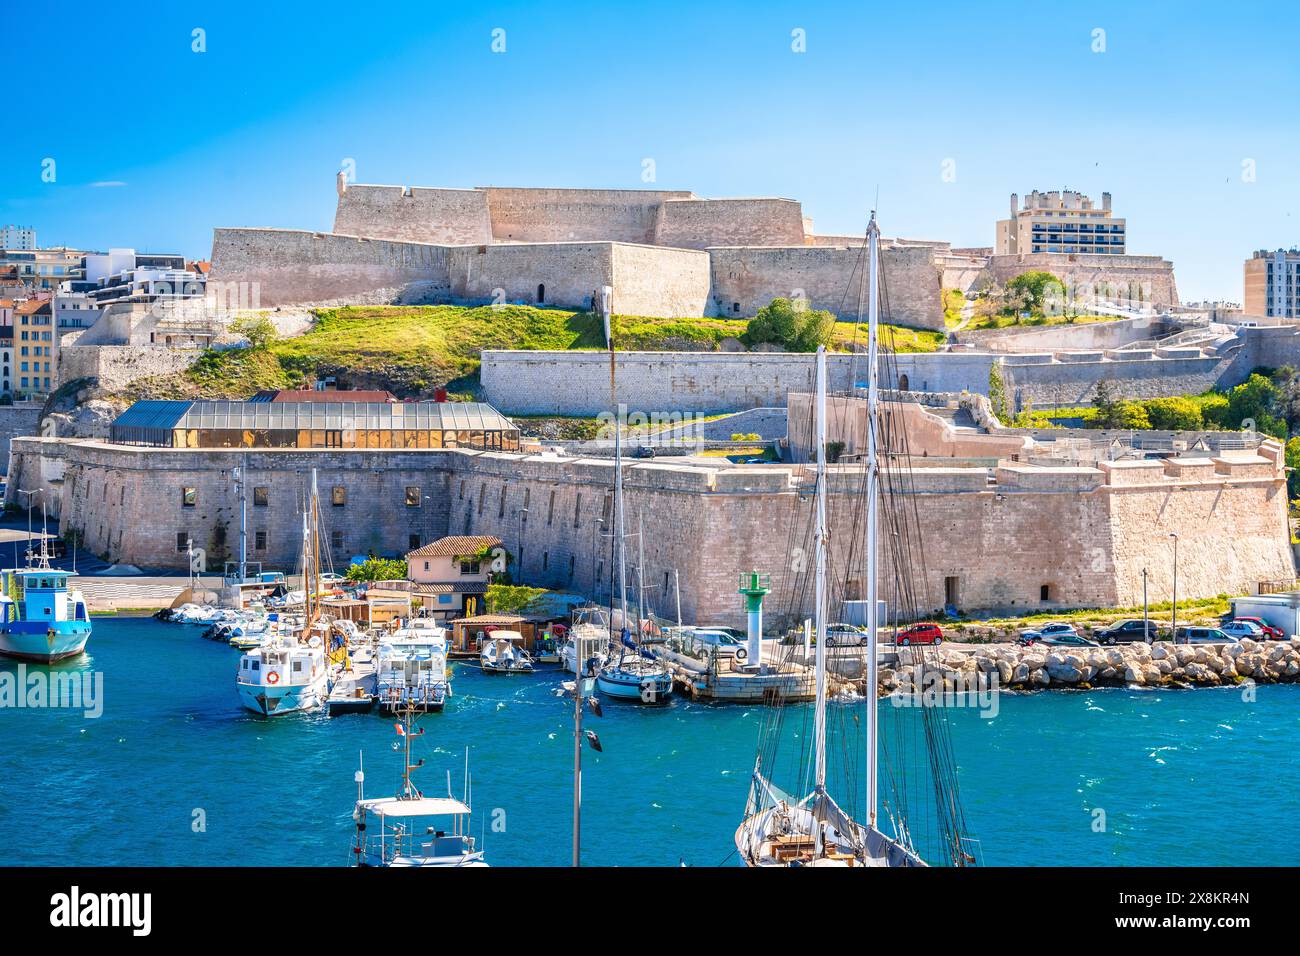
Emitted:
pixel 174 772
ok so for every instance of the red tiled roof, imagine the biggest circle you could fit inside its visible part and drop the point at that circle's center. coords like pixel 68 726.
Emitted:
pixel 32 307
pixel 456 546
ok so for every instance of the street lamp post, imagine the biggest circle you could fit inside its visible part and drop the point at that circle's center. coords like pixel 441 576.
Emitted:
pixel 1173 628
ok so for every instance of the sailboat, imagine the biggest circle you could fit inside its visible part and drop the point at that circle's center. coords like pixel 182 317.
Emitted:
pixel 410 828
pixel 783 830
pixel 291 672
pixel 637 675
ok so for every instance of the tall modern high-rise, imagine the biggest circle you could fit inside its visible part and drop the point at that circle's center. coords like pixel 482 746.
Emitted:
pixel 1064 221
pixel 1272 282
pixel 17 237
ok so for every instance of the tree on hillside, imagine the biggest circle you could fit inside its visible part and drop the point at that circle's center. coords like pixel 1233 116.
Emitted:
pixel 256 327
pixel 1174 414
pixel 1030 289
pixel 794 328
pixel 1251 407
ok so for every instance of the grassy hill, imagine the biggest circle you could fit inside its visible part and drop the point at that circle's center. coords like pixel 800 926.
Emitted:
pixel 412 349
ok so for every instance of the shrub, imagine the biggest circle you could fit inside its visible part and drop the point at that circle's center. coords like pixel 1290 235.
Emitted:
pixel 1174 414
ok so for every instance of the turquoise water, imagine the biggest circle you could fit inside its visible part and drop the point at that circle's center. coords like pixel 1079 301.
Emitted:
pixel 1194 777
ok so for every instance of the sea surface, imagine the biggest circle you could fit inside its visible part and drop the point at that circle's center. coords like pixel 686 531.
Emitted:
pixel 175 773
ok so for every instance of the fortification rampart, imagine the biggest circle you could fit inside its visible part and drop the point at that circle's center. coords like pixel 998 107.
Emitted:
pixel 414 214
pixel 747 278
pixel 988 545
pixel 290 266
pixel 1149 279
pixel 16 421
pixel 582 215
pixel 701 223
pixel 114 367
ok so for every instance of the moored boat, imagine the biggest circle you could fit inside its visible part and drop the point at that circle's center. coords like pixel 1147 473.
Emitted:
pixel 41 620
pixel 503 653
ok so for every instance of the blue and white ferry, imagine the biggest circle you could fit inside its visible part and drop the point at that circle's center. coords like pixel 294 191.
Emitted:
pixel 40 619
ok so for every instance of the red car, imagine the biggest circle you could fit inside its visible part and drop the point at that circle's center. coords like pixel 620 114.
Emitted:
pixel 1270 632
pixel 920 634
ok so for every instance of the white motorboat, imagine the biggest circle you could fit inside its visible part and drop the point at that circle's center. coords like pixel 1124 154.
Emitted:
pixel 411 668
pixel 283 677
pixel 503 653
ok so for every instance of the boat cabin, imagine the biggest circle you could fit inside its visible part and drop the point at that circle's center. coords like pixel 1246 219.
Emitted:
pixel 41 594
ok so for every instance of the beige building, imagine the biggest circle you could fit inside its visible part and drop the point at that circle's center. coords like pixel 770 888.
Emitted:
pixel 1272 281
pixel 447 578
pixel 35 349
pixel 1065 222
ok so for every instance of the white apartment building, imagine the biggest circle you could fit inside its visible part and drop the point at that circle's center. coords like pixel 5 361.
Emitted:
pixel 1061 222
pixel 1272 281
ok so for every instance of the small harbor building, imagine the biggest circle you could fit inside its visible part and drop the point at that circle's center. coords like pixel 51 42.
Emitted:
pixel 227 424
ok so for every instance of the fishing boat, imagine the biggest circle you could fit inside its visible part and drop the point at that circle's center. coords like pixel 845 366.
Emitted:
pixel 503 653
pixel 42 620
pixel 291 671
pixel 815 830
pixel 411 668
pixel 411 829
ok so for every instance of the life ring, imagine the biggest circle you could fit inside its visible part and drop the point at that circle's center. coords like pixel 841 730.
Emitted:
pixel 273 678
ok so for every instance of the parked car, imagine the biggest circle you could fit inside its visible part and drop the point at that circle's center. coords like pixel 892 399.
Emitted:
pixel 1127 632
pixel 1203 635
pixel 845 635
pixel 1271 633
pixel 1056 633
pixel 735 632
pixel 722 643
pixel 1240 629
pixel 919 634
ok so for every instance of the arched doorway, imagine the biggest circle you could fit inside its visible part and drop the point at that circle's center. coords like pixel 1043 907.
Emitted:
pixel 541 293
pixel 903 383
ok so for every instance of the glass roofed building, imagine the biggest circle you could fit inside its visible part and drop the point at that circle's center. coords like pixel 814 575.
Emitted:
pixel 315 425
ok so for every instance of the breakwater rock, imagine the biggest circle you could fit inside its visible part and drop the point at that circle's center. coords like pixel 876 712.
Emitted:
pixel 1039 667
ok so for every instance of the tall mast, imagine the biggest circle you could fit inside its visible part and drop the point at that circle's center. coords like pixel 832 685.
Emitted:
pixel 640 571
pixel 819 611
pixel 605 307
pixel 873 493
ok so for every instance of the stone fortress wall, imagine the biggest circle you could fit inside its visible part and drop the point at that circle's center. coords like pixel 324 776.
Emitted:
pixel 993 537
pixel 757 249
pixel 523 383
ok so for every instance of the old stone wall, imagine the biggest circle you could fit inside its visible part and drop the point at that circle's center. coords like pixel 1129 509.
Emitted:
pixel 581 215
pixel 414 214
pixel 746 279
pixel 1000 543
pixel 663 282
pixel 1082 532
pixel 561 274
pixel 116 366
pixel 290 266
pixel 701 223
pixel 16 421
pixel 1106 276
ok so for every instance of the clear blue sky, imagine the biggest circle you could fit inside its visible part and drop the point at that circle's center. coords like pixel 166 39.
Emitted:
pixel 155 145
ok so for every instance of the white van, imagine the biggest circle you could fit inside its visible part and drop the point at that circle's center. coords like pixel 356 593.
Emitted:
pixel 722 643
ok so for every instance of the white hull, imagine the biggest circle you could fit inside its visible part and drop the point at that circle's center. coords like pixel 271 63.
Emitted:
pixel 271 700
pixel 647 688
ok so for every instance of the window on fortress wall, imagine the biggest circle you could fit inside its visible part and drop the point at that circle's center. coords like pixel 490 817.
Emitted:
pixel 339 496
pixel 182 541
pixel 259 541
pixel 572 563
pixel 1044 592
pixel 541 293
pixel 336 539
pixel 189 497
pixel 412 496
pixel 550 509
pixel 412 542
pixel 546 560
pixel 260 496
